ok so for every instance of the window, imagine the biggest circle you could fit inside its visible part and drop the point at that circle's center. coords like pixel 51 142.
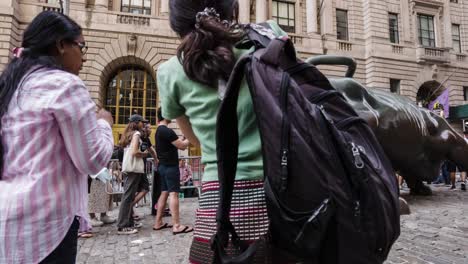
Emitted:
pixel 453 1
pixel 132 90
pixel 465 93
pixel 426 30
pixel 395 86
pixel 142 7
pixel 456 44
pixel 284 14
pixel 393 28
pixel 342 24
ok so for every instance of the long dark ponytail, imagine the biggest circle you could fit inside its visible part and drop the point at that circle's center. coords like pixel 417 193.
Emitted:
pixel 207 40
pixel 39 42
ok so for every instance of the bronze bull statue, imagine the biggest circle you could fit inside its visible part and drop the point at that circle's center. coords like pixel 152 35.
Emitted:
pixel 415 140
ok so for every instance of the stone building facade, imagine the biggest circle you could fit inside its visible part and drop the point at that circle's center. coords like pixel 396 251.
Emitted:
pixel 403 46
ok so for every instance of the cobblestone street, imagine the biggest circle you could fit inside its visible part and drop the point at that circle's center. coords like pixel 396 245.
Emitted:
pixel 435 232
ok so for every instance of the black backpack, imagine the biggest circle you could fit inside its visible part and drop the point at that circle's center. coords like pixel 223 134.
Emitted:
pixel 331 193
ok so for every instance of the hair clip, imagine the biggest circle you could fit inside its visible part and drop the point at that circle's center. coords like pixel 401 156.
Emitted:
pixel 17 52
pixel 207 12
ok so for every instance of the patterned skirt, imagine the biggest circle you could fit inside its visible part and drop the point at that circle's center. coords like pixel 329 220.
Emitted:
pixel 99 201
pixel 248 215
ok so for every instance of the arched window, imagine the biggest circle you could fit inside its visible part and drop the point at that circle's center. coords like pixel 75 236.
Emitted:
pixel 131 91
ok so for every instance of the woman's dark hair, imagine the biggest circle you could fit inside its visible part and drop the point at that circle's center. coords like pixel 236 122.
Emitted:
pixel 127 135
pixel 39 43
pixel 206 48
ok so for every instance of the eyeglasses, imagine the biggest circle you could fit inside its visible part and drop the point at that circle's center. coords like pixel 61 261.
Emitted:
pixel 82 46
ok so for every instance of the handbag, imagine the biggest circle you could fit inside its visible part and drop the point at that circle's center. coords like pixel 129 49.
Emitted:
pixel 131 163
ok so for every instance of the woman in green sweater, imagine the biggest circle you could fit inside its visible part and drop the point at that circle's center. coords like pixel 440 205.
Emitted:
pixel 188 86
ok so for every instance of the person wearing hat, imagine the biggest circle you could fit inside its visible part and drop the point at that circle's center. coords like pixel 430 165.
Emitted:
pixel 143 187
pixel 133 169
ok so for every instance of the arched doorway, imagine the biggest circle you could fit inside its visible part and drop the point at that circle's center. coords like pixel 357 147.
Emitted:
pixel 428 92
pixel 131 90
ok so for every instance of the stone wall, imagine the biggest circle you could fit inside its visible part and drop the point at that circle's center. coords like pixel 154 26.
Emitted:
pixel 10 35
pixel 116 39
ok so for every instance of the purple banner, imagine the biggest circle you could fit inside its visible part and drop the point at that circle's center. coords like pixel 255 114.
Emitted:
pixel 441 102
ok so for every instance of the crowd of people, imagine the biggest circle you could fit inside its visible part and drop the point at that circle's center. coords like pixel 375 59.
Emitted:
pixel 53 136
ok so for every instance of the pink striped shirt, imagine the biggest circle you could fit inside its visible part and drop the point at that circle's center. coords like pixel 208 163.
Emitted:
pixel 52 141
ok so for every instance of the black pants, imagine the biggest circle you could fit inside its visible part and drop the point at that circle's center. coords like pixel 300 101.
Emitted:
pixel 66 251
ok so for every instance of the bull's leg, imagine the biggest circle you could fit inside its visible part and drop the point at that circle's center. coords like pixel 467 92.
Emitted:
pixel 417 187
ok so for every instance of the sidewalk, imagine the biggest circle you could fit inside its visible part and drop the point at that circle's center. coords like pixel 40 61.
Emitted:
pixel 147 246
pixel 436 232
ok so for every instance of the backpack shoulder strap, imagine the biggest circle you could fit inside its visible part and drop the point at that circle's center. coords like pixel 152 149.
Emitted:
pixel 227 148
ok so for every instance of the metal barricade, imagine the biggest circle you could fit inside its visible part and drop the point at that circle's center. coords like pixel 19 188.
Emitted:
pixel 115 185
pixel 150 166
pixel 194 163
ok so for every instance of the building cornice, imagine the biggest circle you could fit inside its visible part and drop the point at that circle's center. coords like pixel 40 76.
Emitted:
pixel 428 3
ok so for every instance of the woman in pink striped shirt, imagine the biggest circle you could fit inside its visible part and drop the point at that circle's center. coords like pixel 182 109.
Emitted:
pixel 51 138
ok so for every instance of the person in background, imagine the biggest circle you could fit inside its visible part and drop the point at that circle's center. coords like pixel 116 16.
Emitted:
pixel 167 144
pixel 463 173
pixel 463 180
pixel 400 180
pixel 188 84
pixel 452 169
pixel 99 202
pixel 453 179
pixel 133 169
pixel 186 177
pixel 185 172
pixel 143 187
pixel 157 190
pixel 51 138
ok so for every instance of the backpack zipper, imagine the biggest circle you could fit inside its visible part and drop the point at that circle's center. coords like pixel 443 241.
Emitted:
pixel 324 113
pixel 358 162
pixel 381 237
pixel 284 87
pixel 359 165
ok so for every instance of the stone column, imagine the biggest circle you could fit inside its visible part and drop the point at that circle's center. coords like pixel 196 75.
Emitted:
pixel 311 14
pixel 447 29
pixel 261 13
pixel 244 11
pixel 326 18
pixel 405 20
pixel 164 6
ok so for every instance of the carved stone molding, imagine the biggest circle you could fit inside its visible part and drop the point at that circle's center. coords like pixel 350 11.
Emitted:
pixel 132 43
pixel 435 72
pixel 413 4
